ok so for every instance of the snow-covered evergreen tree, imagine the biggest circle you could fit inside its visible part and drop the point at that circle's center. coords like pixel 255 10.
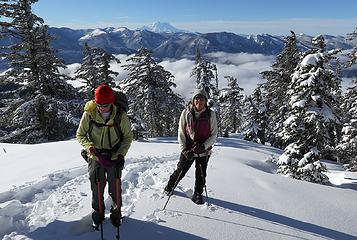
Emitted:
pixel 149 87
pixel 256 118
pixel 352 56
pixel 205 73
pixel 312 122
pixel 43 105
pixel 347 149
pixel 95 69
pixel 231 102
pixel 278 80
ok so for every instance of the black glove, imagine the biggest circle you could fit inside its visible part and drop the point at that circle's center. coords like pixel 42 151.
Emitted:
pixel 120 162
pixel 199 148
pixel 188 154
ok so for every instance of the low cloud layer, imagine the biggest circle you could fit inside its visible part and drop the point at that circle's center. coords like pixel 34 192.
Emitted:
pixel 245 67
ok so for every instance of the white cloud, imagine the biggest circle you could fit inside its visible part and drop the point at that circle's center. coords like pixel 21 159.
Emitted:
pixel 245 67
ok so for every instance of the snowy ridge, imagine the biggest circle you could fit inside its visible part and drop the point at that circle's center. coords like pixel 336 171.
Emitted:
pixel 247 199
pixel 162 27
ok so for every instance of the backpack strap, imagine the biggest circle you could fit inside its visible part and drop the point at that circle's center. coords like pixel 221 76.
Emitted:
pixel 116 125
pixel 117 121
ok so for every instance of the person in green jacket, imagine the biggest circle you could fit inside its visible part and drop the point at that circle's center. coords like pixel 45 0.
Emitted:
pixel 105 133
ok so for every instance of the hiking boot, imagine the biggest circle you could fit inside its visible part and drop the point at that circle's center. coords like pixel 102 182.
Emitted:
pixel 168 190
pixel 95 226
pixel 115 216
pixel 97 218
pixel 197 198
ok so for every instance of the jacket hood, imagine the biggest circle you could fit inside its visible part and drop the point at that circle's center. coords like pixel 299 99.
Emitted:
pixel 200 91
pixel 90 106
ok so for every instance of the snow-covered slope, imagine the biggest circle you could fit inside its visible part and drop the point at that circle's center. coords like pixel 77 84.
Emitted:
pixel 45 194
pixel 162 27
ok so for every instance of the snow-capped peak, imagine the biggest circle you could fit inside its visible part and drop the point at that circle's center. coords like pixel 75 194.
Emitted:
pixel 94 33
pixel 162 27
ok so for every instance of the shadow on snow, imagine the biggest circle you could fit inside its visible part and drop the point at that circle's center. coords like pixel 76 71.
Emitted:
pixel 282 220
pixel 131 229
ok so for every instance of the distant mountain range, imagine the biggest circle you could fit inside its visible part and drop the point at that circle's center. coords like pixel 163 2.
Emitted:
pixel 166 41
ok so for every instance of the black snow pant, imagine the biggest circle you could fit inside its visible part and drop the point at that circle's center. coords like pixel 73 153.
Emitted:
pixel 184 165
pixel 98 177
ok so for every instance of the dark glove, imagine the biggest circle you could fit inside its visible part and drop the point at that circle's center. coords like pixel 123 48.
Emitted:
pixel 120 162
pixel 199 148
pixel 84 155
pixel 105 161
pixel 92 150
pixel 188 154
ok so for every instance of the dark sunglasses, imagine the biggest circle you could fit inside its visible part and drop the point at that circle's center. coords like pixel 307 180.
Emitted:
pixel 104 105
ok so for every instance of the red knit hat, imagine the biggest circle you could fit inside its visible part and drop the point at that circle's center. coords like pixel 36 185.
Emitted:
pixel 104 94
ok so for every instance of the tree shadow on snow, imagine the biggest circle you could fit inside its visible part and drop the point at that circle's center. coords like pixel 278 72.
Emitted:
pixel 131 229
pixel 282 220
pixel 243 144
pixel 352 186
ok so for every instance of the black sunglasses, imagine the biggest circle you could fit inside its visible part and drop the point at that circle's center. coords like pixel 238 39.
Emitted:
pixel 103 105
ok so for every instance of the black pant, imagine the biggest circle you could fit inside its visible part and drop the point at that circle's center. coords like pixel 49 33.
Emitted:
pixel 104 175
pixel 184 165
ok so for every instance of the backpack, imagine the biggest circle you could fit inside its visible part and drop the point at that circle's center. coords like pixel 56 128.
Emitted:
pixel 121 101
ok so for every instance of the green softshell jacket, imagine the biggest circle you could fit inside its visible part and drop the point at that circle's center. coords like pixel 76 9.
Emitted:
pixel 98 137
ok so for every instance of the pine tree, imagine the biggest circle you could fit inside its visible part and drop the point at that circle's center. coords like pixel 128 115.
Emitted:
pixel 205 73
pixel 352 56
pixel 347 148
pixel 149 87
pixel 42 108
pixel 278 80
pixel 231 102
pixel 312 121
pixel 256 122
pixel 95 69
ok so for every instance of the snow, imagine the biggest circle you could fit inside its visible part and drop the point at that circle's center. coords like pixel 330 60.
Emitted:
pixel 162 27
pixel 94 33
pixel 121 29
pixel 45 194
pixel 311 59
pixel 299 104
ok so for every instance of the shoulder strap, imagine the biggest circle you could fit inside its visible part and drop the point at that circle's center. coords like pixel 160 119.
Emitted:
pixel 117 121
pixel 116 125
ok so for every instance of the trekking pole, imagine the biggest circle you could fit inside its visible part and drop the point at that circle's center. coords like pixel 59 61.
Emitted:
pixel 118 192
pixel 171 193
pixel 99 202
pixel 177 180
pixel 203 178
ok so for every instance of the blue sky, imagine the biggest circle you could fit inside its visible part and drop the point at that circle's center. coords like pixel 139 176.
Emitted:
pixel 250 16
